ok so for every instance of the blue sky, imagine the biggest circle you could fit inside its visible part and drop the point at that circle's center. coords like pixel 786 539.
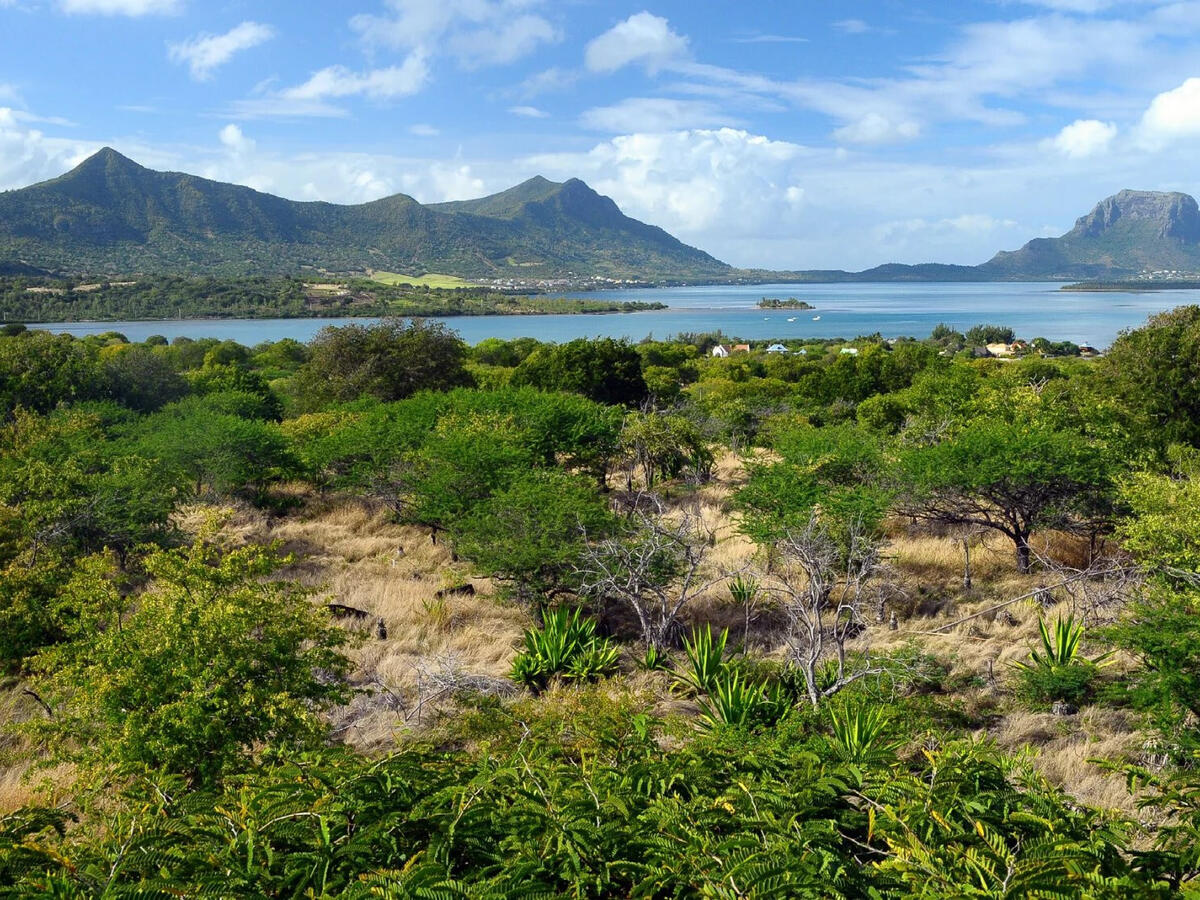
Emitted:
pixel 798 134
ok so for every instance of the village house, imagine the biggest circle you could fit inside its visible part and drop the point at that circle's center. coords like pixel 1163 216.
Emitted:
pixel 741 348
pixel 720 351
pixel 777 348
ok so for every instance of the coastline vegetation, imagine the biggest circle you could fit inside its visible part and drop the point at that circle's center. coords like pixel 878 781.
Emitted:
pixel 1151 284
pixel 24 299
pixel 386 615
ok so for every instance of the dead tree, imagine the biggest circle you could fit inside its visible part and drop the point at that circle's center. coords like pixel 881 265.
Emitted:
pixel 823 586
pixel 653 567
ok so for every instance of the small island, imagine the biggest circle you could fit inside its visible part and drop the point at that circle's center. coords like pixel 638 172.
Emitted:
pixel 789 303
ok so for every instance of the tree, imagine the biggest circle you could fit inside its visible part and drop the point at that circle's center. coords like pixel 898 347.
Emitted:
pixel 1007 476
pixel 216 451
pixel 664 445
pixel 390 360
pixel 604 369
pixel 531 532
pixel 980 335
pixel 1161 628
pixel 821 585
pixel 194 673
pixel 1156 371
pixel 837 469
pixel 74 491
pixel 140 379
pixel 653 566
pixel 463 463
pixel 39 370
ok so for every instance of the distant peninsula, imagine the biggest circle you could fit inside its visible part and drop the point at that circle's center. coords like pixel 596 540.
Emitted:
pixel 1145 285
pixel 156 297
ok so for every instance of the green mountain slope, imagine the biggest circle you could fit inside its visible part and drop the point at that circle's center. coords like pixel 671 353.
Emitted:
pixel 110 214
pixel 1123 235
pixel 1129 233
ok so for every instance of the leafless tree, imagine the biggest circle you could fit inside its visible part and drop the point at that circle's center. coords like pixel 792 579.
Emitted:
pixel 1098 591
pixel 654 567
pixel 824 584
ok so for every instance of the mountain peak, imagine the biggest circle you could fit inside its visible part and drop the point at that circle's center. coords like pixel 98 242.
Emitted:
pixel 111 214
pixel 106 158
pixel 1125 234
pixel 1170 213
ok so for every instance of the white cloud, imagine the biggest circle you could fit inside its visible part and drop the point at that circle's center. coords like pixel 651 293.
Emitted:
pixel 654 114
pixel 377 84
pixel 552 79
pixel 237 142
pixel 476 32
pixel 133 8
pixel 504 43
pixel 27 155
pixel 987 74
pixel 852 26
pixel 693 183
pixel 529 112
pixel 1172 114
pixel 642 38
pixel 874 128
pixel 276 106
pixel 1083 137
pixel 206 52
pixel 420 129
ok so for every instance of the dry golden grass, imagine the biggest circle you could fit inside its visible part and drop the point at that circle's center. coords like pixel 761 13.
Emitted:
pixel 23 780
pixel 1066 750
pixel 349 552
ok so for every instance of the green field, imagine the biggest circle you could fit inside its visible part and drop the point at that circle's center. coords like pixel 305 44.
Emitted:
pixel 432 280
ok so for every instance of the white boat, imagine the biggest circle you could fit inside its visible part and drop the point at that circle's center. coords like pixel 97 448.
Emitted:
pixel 816 318
pixel 792 319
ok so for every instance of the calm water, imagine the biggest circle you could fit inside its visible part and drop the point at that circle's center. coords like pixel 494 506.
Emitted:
pixel 845 310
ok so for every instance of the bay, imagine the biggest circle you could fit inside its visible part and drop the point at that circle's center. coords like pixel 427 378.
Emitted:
pixel 842 311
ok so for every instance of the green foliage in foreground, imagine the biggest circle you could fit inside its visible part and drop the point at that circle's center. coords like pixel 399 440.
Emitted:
pixel 194 673
pixel 566 646
pixel 581 801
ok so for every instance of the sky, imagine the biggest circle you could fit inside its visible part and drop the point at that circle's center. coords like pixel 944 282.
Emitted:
pixel 790 134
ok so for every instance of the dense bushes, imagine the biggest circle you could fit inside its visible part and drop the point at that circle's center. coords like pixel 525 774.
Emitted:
pixel 189 681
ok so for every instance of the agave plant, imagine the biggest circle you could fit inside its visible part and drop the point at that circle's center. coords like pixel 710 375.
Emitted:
pixel 567 645
pixel 655 660
pixel 858 735
pixel 1060 649
pixel 1056 671
pixel 741 702
pixel 595 660
pixel 705 659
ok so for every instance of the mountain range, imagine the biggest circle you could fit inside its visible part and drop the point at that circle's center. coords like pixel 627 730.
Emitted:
pixel 110 215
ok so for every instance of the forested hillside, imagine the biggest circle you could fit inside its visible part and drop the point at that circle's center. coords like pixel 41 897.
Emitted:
pixel 47 299
pixel 385 615
pixel 110 215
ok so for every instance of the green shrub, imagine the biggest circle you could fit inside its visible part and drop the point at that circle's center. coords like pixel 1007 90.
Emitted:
pixel 705 660
pixel 566 646
pixel 1056 672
